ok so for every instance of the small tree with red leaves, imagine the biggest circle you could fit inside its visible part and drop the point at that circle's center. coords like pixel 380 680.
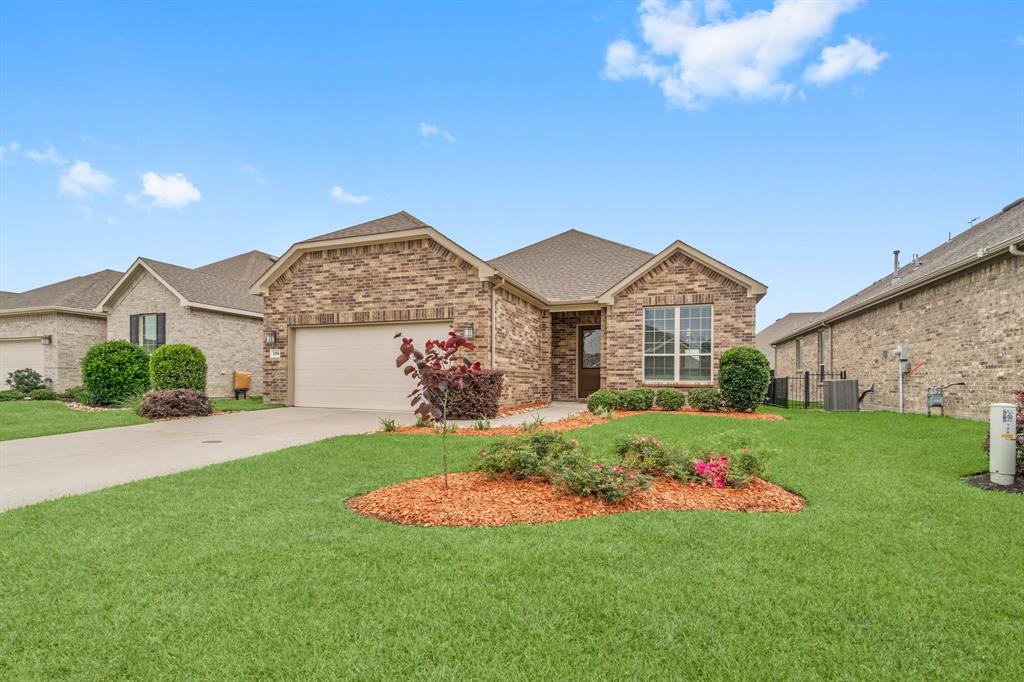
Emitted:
pixel 437 370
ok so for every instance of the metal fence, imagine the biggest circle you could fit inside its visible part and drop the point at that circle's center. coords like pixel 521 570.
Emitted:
pixel 802 391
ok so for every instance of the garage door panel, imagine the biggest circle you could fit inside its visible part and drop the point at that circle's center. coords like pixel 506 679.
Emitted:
pixel 354 367
pixel 19 354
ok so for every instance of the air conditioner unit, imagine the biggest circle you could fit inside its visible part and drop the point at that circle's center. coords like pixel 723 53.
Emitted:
pixel 841 395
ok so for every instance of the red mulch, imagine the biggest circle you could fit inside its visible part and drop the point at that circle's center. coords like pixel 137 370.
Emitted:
pixel 473 499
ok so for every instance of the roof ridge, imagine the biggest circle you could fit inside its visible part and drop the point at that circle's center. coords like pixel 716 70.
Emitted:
pixel 569 231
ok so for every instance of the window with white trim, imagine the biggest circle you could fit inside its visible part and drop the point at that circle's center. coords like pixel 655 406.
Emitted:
pixel 677 343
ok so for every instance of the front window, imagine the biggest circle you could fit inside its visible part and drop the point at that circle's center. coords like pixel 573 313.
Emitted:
pixel 147 332
pixel 677 343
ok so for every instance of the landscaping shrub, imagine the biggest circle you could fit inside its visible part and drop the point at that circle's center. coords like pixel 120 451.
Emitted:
pixel 77 394
pixel 609 483
pixel 743 376
pixel 670 399
pixel 113 370
pixel 25 380
pixel 637 399
pixel 744 456
pixel 43 394
pixel 478 397
pixel 705 399
pixel 176 402
pixel 10 394
pixel 526 456
pixel 605 398
pixel 646 454
pixel 177 365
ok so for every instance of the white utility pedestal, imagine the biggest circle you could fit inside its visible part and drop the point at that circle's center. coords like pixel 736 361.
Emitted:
pixel 1002 443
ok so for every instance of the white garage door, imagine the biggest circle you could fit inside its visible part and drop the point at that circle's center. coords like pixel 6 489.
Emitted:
pixel 20 354
pixel 354 367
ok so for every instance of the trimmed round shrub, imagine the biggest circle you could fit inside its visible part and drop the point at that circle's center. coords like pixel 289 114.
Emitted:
pixel 478 397
pixel 637 399
pixel 43 394
pixel 670 399
pixel 114 370
pixel 9 395
pixel 743 376
pixel 177 365
pixel 25 380
pixel 603 399
pixel 175 402
pixel 76 394
pixel 705 399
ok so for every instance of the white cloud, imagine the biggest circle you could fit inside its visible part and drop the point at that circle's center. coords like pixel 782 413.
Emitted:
pixel 695 60
pixel 81 179
pixel 252 172
pixel 169 191
pixel 48 155
pixel 839 61
pixel 431 130
pixel 343 197
pixel 10 148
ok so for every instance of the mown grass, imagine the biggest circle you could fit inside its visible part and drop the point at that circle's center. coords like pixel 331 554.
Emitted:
pixel 31 418
pixel 246 405
pixel 256 569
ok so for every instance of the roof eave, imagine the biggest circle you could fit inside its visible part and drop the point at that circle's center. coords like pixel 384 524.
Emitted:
pixel 35 310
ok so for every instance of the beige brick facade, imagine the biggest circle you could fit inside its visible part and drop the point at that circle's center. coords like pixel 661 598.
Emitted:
pixel 230 342
pixel 72 336
pixel 967 327
pixel 678 281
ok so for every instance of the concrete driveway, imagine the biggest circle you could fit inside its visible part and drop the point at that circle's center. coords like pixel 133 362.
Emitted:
pixel 36 469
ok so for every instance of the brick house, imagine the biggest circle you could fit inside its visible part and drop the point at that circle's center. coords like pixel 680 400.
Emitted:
pixel 958 311
pixel 49 328
pixel 209 307
pixel 561 317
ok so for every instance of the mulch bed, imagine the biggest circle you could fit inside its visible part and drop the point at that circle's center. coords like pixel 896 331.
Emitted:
pixel 474 499
pixel 581 421
pixel 982 481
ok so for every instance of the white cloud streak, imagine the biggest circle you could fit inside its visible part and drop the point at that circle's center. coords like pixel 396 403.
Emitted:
pixel 430 130
pixel 169 191
pixel 343 197
pixel 81 179
pixel 48 155
pixel 839 61
pixel 695 57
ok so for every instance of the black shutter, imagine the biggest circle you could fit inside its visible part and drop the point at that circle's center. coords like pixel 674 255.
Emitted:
pixel 133 329
pixel 161 329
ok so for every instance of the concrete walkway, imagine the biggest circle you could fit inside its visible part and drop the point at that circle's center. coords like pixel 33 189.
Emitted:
pixel 36 469
pixel 550 413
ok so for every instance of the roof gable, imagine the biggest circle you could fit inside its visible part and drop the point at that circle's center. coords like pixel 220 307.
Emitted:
pixel 192 287
pixel 571 266
pixel 244 268
pixel 396 222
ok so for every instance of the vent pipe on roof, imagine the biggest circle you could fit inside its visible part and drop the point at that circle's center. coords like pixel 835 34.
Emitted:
pixel 895 261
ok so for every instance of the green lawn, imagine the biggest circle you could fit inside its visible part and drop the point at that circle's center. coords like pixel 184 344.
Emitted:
pixel 255 569
pixel 232 405
pixel 30 418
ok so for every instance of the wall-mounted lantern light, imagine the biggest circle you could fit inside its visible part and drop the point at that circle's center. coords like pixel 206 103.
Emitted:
pixel 46 340
pixel 467 330
pixel 271 338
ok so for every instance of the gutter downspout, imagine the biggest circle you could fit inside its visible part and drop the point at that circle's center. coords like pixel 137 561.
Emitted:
pixel 494 336
pixel 1016 250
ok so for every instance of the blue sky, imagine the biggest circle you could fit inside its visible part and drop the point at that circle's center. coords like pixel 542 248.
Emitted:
pixel 799 144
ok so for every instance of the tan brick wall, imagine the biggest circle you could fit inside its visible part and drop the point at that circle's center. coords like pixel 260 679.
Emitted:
pixel 230 342
pixel 785 355
pixel 967 327
pixel 72 336
pixel 564 348
pixel 391 282
pixel 523 349
pixel 678 281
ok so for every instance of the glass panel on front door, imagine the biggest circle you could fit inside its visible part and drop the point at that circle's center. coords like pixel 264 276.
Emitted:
pixel 591 349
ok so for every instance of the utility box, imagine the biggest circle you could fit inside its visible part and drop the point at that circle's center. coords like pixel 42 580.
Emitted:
pixel 1002 443
pixel 841 395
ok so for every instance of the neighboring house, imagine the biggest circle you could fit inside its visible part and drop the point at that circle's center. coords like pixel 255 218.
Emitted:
pixel 49 329
pixel 958 311
pixel 776 330
pixel 561 317
pixel 210 307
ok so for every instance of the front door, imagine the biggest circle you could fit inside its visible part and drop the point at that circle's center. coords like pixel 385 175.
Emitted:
pixel 588 361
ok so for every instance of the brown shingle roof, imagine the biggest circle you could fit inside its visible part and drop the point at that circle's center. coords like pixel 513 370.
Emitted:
pixel 571 266
pixel 82 293
pixel 782 326
pixel 395 222
pixel 245 267
pixel 202 287
pixel 993 231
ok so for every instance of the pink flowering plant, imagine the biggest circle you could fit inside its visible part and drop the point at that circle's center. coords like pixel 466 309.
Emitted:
pixel 647 454
pixel 714 470
pixel 609 482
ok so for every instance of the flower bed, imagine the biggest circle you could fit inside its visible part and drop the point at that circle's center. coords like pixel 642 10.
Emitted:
pixel 474 499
